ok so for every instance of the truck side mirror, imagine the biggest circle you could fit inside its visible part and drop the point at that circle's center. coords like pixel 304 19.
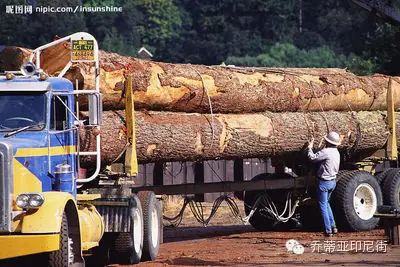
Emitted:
pixel 95 109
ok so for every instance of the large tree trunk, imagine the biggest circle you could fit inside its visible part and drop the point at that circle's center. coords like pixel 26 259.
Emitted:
pixel 166 136
pixel 12 58
pixel 52 59
pixel 197 88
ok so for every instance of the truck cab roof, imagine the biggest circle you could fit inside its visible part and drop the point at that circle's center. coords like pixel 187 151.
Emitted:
pixel 34 84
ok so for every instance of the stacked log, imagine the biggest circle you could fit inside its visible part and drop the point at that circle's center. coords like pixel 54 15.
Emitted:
pixel 12 58
pixel 194 112
pixel 195 88
pixel 172 136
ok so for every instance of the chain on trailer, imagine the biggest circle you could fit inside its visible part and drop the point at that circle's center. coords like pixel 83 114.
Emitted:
pixel 264 203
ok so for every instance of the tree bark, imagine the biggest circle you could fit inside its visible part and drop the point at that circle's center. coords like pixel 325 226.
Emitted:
pixel 167 136
pixel 196 88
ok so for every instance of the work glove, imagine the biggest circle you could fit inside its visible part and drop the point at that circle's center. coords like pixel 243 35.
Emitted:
pixel 311 144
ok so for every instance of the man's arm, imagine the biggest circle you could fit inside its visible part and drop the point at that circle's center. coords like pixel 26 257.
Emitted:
pixel 315 157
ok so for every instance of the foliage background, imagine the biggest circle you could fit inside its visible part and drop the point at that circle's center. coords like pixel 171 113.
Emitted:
pixel 290 33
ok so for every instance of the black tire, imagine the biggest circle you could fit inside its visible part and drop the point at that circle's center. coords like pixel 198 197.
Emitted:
pixel 391 189
pixel 68 253
pixel 380 177
pixel 259 220
pixel 152 224
pixel 356 216
pixel 344 172
pixel 127 248
pixel 101 253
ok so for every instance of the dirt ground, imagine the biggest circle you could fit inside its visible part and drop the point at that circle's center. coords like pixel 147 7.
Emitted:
pixel 227 242
pixel 237 245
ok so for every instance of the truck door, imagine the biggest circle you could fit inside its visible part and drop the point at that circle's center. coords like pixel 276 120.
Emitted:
pixel 61 141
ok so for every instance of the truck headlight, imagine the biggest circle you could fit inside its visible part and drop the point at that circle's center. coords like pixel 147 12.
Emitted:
pixel 36 200
pixel 22 201
pixel 29 200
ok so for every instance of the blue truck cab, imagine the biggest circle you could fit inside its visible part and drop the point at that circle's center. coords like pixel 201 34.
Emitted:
pixel 39 163
pixel 37 127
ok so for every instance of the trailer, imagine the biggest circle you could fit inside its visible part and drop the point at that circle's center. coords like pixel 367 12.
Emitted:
pixel 289 193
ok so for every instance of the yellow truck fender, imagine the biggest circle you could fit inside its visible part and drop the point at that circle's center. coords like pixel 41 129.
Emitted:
pixel 47 218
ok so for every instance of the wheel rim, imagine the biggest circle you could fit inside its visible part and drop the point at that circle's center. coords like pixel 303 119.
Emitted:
pixel 137 231
pixel 364 201
pixel 155 225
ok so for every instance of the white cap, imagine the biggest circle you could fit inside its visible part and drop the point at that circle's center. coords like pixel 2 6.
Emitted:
pixel 333 138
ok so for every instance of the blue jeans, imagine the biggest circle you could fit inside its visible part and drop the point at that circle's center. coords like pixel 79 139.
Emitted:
pixel 324 190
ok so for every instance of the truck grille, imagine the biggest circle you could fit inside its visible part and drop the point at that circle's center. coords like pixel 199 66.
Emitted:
pixel 6 183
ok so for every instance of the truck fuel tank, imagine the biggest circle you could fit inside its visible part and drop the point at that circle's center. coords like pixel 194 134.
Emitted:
pixel 64 179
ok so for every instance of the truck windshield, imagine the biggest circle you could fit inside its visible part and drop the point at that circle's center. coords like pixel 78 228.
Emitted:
pixel 21 109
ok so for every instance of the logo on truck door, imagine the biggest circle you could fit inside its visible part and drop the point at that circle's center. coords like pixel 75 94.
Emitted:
pixel 82 50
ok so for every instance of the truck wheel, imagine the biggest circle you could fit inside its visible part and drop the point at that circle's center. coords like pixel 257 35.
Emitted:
pixel 381 177
pixel 152 224
pixel 127 248
pixel 101 253
pixel 355 200
pixel 391 189
pixel 68 253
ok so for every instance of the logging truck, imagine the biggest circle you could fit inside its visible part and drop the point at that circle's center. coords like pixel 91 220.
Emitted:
pixel 60 202
pixel 45 210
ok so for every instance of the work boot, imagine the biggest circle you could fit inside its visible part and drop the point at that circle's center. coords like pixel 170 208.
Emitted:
pixel 334 230
pixel 327 234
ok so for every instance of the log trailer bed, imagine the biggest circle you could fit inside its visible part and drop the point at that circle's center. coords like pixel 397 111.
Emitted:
pixel 369 175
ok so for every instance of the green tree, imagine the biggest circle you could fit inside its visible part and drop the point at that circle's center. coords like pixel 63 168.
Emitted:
pixel 383 47
pixel 250 32
pixel 287 55
pixel 13 27
pixel 35 29
pixel 161 20
pixel 116 32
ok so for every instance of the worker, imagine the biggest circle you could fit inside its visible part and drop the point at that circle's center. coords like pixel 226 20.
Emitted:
pixel 329 161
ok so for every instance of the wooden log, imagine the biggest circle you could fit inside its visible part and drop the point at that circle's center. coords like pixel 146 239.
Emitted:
pixel 196 88
pixel 167 136
pixel 52 59
pixel 12 58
